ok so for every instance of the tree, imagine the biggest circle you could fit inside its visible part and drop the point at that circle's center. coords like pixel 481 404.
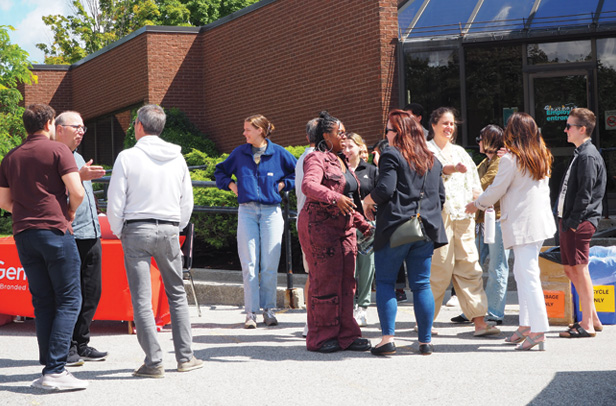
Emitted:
pixel 95 24
pixel 14 70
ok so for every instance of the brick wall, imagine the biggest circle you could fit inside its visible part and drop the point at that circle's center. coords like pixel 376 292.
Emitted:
pixel 53 88
pixel 291 59
pixel 175 73
pixel 287 60
pixel 113 80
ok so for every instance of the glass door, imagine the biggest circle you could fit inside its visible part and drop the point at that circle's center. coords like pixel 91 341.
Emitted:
pixel 552 97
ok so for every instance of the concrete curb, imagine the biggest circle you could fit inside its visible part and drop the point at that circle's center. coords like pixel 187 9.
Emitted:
pixel 225 287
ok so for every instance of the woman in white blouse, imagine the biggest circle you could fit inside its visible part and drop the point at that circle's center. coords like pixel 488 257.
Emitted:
pixel 521 184
pixel 458 261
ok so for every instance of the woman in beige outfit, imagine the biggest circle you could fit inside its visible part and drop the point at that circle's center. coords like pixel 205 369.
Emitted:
pixel 458 261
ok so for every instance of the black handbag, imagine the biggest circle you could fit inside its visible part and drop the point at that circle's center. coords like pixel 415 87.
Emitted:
pixel 411 230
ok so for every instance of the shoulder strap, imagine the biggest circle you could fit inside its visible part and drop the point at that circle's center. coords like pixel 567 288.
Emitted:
pixel 421 194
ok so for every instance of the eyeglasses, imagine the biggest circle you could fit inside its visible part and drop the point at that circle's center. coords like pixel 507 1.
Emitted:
pixel 77 127
pixel 568 126
pixel 478 140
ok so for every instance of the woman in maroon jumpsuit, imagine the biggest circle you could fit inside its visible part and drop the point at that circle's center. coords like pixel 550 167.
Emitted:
pixel 326 228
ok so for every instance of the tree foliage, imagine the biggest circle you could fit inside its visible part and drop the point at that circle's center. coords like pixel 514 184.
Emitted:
pixel 14 70
pixel 95 24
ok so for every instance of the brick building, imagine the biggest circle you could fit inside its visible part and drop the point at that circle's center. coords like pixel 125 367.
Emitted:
pixel 285 59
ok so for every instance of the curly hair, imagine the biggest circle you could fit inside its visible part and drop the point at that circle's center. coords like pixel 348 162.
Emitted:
pixel 436 116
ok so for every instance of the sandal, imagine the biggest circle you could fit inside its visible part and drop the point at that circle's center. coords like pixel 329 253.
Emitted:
pixel 532 342
pixel 598 328
pixel 576 331
pixel 518 336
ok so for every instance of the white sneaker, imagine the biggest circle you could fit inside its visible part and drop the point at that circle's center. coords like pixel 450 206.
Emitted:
pixel 360 316
pixel 38 383
pixel 305 333
pixel 62 381
pixel 453 302
pixel 251 320
pixel 269 317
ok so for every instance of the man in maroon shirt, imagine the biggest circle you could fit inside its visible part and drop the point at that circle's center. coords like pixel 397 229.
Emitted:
pixel 40 186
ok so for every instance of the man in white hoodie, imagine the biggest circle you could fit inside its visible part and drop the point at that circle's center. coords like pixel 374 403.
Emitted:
pixel 150 200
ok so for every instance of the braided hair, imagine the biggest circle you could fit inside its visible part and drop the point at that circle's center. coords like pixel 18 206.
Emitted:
pixel 325 124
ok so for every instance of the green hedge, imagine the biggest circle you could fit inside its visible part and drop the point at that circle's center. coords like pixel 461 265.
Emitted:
pixel 218 231
pixel 6 223
pixel 213 232
pixel 178 130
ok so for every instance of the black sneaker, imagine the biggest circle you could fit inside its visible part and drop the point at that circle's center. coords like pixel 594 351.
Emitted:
pixel 73 359
pixel 461 319
pixel 92 354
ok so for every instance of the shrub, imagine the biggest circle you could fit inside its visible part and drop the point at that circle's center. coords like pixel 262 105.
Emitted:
pixel 6 223
pixel 219 231
pixel 178 130
pixel 213 231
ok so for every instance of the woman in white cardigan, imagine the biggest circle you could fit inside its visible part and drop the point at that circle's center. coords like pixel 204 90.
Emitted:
pixel 521 184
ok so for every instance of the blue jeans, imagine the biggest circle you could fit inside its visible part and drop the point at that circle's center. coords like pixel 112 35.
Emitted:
pixel 259 240
pixel 141 242
pixel 498 273
pixel 418 259
pixel 51 262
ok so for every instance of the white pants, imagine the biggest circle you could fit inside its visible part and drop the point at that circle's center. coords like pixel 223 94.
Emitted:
pixel 530 293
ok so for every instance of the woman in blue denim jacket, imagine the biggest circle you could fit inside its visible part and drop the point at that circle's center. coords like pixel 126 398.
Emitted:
pixel 262 169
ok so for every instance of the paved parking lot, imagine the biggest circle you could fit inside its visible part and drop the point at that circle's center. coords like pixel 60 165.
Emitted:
pixel 270 366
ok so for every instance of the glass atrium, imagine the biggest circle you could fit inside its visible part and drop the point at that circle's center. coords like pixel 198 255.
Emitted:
pixel 488 58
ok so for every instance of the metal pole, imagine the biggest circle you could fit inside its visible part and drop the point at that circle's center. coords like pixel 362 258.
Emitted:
pixel 287 237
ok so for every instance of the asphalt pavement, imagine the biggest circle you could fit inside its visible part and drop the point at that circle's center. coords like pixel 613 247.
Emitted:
pixel 271 366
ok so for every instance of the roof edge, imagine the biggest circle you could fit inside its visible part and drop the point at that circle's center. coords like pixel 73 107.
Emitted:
pixel 236 14
pixel 165 29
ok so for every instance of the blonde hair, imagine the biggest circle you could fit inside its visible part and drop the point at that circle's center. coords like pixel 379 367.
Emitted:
pixel 259 121
pixel 357 139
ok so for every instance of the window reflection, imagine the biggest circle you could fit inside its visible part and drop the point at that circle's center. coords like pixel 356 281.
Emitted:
pixel 559 52
pixel 440 13
pixel 606 68
pixel 499 15
pixel 493 86
pixel 433 79
pixel 564 12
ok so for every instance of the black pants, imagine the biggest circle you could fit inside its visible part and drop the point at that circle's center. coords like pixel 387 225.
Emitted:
pixel 91 255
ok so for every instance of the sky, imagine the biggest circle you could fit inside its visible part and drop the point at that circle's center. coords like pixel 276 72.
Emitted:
pixel 25 17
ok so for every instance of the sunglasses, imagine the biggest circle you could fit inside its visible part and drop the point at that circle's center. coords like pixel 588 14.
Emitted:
pixel 478 140
pixel 389 130
pixel 568 126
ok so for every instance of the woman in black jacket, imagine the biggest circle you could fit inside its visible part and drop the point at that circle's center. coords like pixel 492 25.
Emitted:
pixel 405 169
pixel 364 265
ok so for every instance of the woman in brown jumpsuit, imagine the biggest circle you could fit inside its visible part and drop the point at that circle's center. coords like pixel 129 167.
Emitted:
pixel 326 227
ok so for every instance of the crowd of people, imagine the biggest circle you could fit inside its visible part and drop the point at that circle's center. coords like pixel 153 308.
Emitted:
pixel 349 212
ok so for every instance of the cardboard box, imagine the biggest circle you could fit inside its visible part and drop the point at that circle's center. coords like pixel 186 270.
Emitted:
pixel 557 292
